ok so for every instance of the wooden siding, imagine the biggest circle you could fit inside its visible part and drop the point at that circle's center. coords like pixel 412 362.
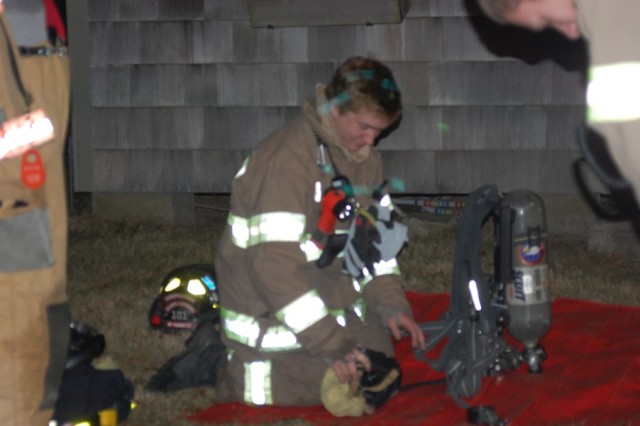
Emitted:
pixel 297 13
pixel 182 91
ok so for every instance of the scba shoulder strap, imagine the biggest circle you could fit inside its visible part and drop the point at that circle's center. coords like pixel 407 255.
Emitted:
pixel 337 204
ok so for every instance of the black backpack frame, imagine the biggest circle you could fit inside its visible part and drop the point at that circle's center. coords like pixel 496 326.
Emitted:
pixel 471 331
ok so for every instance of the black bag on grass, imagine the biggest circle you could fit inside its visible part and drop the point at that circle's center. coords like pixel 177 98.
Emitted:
pixel 85 390
pixel 198 364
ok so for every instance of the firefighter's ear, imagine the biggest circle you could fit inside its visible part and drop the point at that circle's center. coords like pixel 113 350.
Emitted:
pixel 335 112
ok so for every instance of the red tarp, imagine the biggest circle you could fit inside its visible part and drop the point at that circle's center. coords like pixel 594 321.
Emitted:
pixel 591 377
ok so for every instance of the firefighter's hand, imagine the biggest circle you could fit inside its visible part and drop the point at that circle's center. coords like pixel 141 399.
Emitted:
pixel 347 369
pixel 403 321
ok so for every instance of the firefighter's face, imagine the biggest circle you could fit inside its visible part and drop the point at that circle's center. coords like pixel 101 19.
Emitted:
pixel 537 15
pixel 359 129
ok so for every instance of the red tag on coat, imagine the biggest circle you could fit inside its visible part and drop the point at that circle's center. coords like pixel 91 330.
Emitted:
pixel 33 173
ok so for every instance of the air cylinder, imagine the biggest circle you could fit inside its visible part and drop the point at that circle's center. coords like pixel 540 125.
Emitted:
pixel 527 292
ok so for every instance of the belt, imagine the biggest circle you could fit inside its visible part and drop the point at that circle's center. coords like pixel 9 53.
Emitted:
pixel 43 51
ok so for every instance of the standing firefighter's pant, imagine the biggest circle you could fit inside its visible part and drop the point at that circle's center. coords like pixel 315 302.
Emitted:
pixel 34 315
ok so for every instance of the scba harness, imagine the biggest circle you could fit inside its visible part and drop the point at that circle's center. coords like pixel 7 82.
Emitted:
pixel 472 326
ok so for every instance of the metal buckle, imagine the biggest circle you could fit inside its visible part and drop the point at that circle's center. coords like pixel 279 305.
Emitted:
pixel 43 51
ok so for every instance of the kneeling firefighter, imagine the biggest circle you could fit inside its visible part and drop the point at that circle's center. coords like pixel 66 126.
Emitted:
pixel 298 322
pixel 379 375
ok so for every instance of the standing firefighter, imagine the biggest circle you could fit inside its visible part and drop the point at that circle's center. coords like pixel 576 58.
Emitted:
pixel 34 326
pixel 613 92
pixel 298 314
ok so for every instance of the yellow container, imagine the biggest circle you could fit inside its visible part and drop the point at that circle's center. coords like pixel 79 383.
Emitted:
pixel 108 417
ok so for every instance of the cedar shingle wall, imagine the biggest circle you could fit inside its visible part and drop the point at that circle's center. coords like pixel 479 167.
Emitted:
pixel 183 90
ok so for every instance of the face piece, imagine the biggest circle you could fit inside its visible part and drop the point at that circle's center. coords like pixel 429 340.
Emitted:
pixel 359 129
pixel 538 15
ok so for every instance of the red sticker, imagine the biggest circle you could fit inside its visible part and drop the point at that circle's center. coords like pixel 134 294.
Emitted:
pixel 33 174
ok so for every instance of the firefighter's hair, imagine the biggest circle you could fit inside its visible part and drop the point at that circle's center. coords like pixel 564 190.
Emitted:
pixel 365 83
pixel 496 9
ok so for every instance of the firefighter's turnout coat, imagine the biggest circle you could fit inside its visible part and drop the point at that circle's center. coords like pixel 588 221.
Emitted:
pixel 613 95
pixel 284 320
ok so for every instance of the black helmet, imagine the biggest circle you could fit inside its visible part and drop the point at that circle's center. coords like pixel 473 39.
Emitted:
pixel 382 382
pixel 186 293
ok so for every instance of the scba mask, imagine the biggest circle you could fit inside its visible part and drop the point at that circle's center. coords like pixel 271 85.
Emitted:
pixel 383 381
pixel 366 395
pixel 185 294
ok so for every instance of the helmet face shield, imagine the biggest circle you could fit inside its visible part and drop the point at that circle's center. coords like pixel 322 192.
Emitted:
pixel 195 287
pixel 185 294
pixel 173 284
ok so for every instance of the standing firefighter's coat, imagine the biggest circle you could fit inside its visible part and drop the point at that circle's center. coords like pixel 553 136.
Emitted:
pixel 34 314
pixel 284 319
pixel 613 94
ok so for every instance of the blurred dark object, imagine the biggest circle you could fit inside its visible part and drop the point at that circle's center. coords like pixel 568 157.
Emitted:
pixel 198 365
pixel 621 205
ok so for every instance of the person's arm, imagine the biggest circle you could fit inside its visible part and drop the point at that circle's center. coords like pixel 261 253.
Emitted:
pixel 385 295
